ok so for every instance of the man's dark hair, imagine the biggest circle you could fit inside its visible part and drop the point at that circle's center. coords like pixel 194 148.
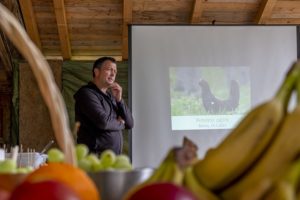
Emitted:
pixel 98 63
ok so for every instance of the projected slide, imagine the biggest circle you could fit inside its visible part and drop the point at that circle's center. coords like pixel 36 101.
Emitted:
pixel 208 97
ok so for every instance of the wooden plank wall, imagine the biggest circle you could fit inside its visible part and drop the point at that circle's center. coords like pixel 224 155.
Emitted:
pixel 35 128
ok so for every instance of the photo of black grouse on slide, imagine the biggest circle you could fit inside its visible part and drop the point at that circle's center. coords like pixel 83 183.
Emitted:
pixel 214 105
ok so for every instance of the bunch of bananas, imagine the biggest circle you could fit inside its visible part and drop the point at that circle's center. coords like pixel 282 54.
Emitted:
pixel 259 159
pixel 173 166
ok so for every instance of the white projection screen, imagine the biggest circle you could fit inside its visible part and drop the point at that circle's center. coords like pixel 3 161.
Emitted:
pixel 199 81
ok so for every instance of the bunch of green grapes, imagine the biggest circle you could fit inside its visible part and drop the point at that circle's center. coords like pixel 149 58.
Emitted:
pixel 90 162
pixel 9 166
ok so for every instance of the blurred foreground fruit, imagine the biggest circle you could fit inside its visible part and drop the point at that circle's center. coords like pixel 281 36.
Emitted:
pixel 4 195
pixel 9 181
pixel 45 190
pixel 73 177
pixel 160 191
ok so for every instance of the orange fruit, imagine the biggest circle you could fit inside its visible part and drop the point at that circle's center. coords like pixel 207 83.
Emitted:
pixel 71 176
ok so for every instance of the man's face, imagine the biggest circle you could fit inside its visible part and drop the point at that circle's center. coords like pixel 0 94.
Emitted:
pixel 107 73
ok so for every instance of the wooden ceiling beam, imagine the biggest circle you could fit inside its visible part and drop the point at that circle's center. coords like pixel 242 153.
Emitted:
pixel 61 20
pixel 265 11
pixel 93 58
pixel 284 21
pixel 30 22
pixel 196 12
pixel 127 19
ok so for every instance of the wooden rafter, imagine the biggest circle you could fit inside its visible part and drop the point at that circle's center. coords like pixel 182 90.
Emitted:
pixel 265 11
pixel 30 22
pixel 62 26
pixel 197 11
pixel 127 19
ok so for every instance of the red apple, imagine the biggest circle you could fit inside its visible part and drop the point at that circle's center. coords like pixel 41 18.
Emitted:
pixel 4 195
pixel 161 191
pixel 45 190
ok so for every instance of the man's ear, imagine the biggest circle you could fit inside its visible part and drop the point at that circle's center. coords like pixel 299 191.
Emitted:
pixel 96 71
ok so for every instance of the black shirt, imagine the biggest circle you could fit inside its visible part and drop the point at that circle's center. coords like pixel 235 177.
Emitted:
pixel 97 113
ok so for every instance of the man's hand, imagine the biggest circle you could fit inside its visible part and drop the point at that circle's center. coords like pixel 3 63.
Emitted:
pixel 121 120
pixel 116 91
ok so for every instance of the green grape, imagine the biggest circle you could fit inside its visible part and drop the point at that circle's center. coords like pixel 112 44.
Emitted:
pixel 107 157
pixel 22 170
pixel 94 161
pixel 81 151
pixel 85 164
pixel 29 169
pixel 93 158
pixel 8 166
pixel 55 155
pixel 123 158
pixel 122 162
pixel 97 167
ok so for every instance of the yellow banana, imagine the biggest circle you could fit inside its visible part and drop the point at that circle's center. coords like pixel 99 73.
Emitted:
pixel 191 183
pixel 177 177
pixel 278 157
pixel 282 190
pixel 285 188
pixel 170 169
pixel 257 191
pixel 168 172
pixel 172 174
pixel 162 170
pixel 298 196
pixel 157 174
pixel 247 142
